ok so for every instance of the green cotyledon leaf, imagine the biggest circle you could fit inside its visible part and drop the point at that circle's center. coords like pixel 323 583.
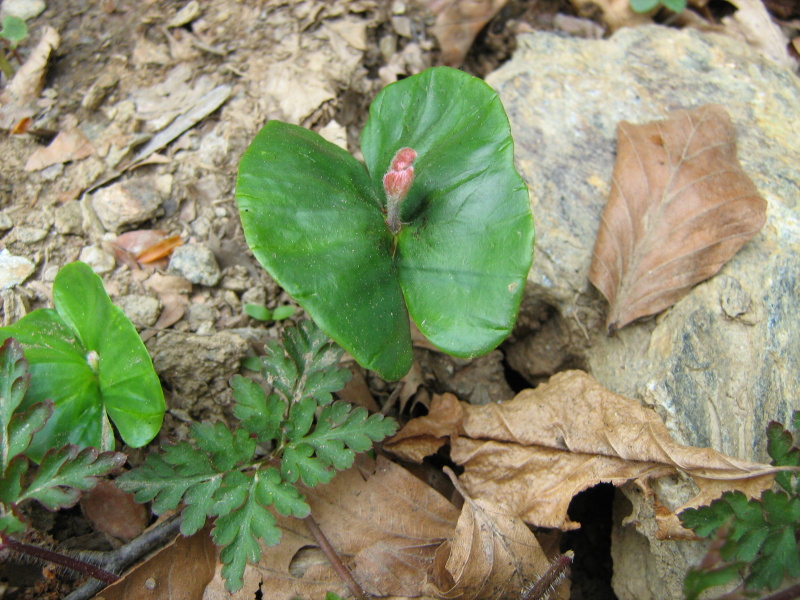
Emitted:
pixel 316 219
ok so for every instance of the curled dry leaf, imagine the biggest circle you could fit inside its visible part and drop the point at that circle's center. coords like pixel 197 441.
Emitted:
pixel 384 523
pixel 399 538
pixel 680 207
pixel 492 556
pixel 532 454
pixel 29 80
pixel 457 24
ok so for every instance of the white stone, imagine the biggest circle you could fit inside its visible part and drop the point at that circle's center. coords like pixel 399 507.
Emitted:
pixel 14 270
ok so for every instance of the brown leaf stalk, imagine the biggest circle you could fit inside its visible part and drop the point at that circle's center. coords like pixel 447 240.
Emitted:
pixel 341 570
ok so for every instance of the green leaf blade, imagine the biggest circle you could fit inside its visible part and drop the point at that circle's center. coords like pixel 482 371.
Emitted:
pixel 312 219
pixel 242 522
pixel 129 387
pixel 464 255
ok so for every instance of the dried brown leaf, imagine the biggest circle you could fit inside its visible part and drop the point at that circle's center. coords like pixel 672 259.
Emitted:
pixel 531 455
pixel 385 524
pixel 67 146
pixel 493 554
pixel 159 250
pixel 457 24
pixel 180 570
pixel 114 512
pixel 28 81
pixel 424 436
pixel 680 207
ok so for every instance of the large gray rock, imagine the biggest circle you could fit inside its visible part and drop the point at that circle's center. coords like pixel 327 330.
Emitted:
pixel 723 361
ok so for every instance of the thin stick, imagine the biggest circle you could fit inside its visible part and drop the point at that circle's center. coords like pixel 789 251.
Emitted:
pixel 342 571
pixel 542 588
pixel 61 559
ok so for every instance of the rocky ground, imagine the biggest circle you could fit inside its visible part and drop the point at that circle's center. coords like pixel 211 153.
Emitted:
pixel 129 125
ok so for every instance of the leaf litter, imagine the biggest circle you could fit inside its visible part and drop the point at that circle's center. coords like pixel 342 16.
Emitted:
pixel 680 207
pixel 532 454
pixel 400 538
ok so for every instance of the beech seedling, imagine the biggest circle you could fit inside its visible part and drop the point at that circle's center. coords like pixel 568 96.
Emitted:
pixel 436 224
pixel 88 360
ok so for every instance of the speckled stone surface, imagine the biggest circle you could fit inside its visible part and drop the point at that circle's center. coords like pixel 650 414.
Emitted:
pixel 725 360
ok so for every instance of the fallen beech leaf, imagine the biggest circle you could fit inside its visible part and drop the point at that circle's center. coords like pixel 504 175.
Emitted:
pixel 384 523
pixel 66 147
pixel 457 24
pixel 137 241
pixel 28 81
pixel 159 250
pixel 22 126
pixel 179 570
pixel 615 13
pixel 493 554
pixel 680 207
pixel 532 454
pixel 114 512
pixel 424 436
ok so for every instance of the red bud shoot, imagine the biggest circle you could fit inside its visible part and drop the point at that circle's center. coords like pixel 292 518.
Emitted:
pixel 396 183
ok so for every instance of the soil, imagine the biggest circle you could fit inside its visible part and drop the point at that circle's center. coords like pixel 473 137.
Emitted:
pixel 103 79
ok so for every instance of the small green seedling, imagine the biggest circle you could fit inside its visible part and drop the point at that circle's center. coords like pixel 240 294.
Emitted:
pixel 643 6
pixel 437 224
pixel 223 474
pixel 262 313
pixel 753 538
pixel 12 32
pixel 87 358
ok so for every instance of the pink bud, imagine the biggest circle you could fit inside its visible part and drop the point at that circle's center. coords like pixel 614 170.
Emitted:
pixel 396 183
pixel 400 176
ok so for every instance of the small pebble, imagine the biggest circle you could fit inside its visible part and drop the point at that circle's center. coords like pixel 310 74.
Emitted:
pixel 100 261
pixel 195 263
pixel 402 26
pixel 69 218
pixel 14 269
pixel 5 222
pixel 29 235
pixel 255 295
pixel 23 9
pixel 142 310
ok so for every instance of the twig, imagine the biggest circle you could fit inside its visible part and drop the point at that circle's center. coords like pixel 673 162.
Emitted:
pixel 124 556
pixel 70 562
pixel 342 571
pixel 543 587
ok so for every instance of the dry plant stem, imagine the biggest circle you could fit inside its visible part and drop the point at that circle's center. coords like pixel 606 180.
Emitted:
pixel 544 586
pixel 342 571
pixel 60 559
pixel 124 556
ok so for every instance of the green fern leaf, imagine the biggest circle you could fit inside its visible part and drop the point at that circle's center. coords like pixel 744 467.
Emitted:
pixel 241 503
pixel 299 462
pixel 305 366
pixel 342 430
pixel 226 449
pixel 260 415
pixel 65 472
pixel 780 447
